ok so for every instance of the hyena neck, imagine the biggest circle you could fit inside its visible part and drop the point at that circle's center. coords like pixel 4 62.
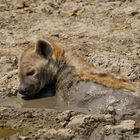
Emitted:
pixel 55 63
pixel 58 57
pixel 52 71
pixel 60 66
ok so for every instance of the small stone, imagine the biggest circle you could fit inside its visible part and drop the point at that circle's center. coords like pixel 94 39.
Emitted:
pixel 64 117
pixel 80 120
pixel 108 117
pixel 24 137
pixel 127 125
pixel 2 108
pixel 110 109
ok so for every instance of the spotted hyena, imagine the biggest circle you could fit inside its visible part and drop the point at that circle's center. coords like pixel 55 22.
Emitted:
pixel 40 62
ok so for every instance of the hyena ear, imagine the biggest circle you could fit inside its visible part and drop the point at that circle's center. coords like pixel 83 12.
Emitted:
pixel 44 49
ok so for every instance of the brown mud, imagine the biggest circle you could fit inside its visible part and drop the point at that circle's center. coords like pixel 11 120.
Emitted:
pixel 106 34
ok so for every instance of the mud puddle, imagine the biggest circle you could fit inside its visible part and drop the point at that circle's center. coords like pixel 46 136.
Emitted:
pixel 46 102
pixel 6 132
pixel 45 99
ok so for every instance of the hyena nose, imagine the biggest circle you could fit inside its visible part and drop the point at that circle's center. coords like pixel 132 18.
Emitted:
pixel 23 91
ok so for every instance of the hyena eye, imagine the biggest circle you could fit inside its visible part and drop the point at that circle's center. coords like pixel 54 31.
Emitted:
pixel 30 72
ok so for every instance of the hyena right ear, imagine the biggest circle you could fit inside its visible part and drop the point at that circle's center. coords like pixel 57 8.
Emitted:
pixel 44 49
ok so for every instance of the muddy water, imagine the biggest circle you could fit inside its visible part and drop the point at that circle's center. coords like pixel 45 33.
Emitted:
pixel 45 99
pixel 46 102
pixel 51 103
pixel 6 132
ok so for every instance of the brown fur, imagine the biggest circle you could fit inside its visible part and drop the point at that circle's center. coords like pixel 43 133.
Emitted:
pixel 88 72
pixel 46 64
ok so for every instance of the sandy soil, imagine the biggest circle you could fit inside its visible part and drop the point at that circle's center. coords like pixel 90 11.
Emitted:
pixel 104 32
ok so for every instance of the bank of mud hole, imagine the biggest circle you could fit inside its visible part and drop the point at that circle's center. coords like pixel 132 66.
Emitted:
pixel 104 33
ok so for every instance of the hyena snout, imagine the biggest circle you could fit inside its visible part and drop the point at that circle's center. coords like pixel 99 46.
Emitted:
pixel 25 90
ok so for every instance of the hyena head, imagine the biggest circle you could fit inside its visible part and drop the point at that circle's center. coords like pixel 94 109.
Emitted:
pixel 38 66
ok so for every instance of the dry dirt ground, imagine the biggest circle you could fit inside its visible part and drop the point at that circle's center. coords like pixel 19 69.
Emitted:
pixel 104 32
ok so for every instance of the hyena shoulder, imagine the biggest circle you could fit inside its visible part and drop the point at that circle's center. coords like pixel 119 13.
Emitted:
pixel 88 72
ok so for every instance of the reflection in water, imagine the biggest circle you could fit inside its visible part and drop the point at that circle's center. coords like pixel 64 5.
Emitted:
pixel 45 99
pixel 47 102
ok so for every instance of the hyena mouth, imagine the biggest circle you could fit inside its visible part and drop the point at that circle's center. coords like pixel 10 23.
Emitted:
pixel 29 91
pixel 28 96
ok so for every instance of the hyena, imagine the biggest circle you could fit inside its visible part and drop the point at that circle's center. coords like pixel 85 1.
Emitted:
pixel 77 82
